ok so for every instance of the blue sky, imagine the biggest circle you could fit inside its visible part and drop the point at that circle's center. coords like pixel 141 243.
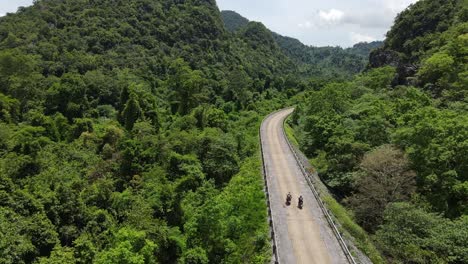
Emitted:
pixel 314 22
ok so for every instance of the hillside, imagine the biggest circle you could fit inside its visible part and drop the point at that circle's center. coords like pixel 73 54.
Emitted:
pixel 326 62
pixel 427 44
pixel 128 133
pixel 233 21
pixel 391 143
pixel 365 48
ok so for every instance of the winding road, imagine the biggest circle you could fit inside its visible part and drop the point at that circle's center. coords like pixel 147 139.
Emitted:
pixel 302 235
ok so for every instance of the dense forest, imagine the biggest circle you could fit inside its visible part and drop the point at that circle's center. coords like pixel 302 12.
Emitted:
pixel 392 144
pixel 129 131
pixel 318 62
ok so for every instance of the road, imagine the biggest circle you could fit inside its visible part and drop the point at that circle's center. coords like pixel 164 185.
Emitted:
pixel 303 235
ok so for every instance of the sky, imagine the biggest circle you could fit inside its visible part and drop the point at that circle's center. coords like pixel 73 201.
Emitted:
pixel 322 22
pixel 314 22
pixel 10 6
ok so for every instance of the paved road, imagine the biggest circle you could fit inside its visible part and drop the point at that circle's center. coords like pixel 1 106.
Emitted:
pixel 303 236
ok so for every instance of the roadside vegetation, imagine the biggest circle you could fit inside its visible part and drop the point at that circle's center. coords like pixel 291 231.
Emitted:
pixel 391 144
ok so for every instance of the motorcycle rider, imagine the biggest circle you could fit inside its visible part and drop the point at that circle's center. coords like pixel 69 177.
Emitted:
pixel 288 198
pixel 301 201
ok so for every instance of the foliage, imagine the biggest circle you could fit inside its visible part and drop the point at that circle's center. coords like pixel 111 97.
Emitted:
pixel 384 177
pixel 290 134
pixel 329 62
pixel 410 234
pixel 436 142
pixel 233 21
pixel 421 21
pixel 129 132
pixel 428 44
pixel 129 247
pixel 241 234
pixel 396 154
pixel 114 115
pixel 347 224
pixel 361 239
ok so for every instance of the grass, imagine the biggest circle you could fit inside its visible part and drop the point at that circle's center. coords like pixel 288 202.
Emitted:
pixel 362 239
pixel 290 134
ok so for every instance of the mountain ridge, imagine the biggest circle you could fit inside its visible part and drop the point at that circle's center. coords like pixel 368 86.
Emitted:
pixel 312 59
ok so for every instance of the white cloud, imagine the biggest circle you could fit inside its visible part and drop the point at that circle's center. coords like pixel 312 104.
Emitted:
pixel 375 19
pixel 336 18
pixel 357 37
pixel 306 24
pixel 324 19
pixel 331 17
pixel 2 14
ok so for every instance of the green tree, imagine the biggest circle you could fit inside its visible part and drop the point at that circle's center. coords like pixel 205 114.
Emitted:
pixel 131 112
pixel 9 108
pixel 195 256
pixel 187 87
pixel 438 71
pixel 68 96
pixel 15 244
pixel 239 88
pixel 129 246
pixel 435 141
pixel 385 177
pixel 410 234
pixel 59 255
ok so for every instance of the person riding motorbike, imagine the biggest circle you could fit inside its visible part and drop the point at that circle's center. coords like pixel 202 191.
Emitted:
pixel 301 202
pixel 288 198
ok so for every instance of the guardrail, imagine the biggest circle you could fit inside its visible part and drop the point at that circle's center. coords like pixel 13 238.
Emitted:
pixel 325 211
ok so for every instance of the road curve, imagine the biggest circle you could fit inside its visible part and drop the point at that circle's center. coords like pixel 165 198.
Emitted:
pixel 302 236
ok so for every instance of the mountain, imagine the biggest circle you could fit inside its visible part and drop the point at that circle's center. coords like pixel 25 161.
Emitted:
pixel 143 36
pixel 426 46
pixel 233 21
pixel 318 61
pixel 128 133
pixel 391 142
pixel 365 48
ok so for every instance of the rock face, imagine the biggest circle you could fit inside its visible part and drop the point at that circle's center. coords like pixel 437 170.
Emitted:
pixel 382 57
pixel 385 57
pixel 405 74
pixel 418 32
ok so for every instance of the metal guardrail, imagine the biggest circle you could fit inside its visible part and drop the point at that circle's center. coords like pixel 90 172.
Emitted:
pixel 325 211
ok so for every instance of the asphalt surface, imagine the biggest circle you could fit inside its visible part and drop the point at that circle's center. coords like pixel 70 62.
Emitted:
pixel 303 235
